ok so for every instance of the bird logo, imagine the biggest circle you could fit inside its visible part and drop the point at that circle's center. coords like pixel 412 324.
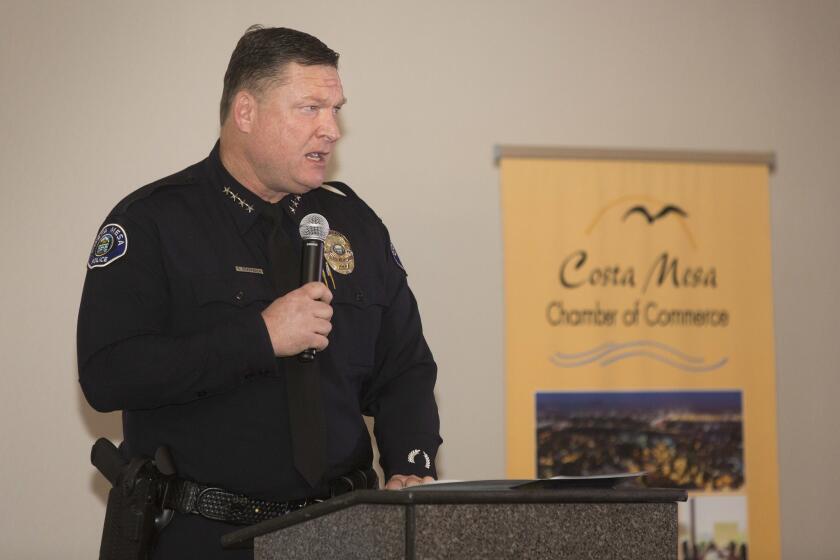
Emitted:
pixel 641 204
pixel 669 209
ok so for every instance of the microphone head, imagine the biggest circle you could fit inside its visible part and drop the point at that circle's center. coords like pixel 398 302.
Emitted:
pixel 314 227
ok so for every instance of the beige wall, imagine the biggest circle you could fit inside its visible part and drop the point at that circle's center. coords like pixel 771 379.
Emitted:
pixel 99 97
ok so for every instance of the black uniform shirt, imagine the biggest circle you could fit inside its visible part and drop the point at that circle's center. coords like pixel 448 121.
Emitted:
pixel 170 331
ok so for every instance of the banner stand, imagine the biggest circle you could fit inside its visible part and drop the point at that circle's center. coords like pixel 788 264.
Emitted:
pixel 639 329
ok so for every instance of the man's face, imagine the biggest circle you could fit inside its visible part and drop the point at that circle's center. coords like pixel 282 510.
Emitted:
pixel 296 128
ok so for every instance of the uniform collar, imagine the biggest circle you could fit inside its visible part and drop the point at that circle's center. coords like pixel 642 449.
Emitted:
pixel 244 206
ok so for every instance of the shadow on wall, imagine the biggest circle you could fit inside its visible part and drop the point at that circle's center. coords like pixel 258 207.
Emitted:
pixel 99 424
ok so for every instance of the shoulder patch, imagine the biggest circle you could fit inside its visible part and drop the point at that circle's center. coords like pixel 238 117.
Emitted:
pixel 397 257
pixel 111 243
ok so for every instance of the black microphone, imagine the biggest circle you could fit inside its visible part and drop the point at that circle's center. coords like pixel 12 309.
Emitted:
pixel 313 230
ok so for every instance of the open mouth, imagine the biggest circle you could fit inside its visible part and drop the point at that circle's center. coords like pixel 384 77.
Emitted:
pixel 317 156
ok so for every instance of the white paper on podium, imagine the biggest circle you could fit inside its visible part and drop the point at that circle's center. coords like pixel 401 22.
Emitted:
pixel 594 481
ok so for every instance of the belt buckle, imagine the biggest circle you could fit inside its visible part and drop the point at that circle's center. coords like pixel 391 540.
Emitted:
pixel 205 506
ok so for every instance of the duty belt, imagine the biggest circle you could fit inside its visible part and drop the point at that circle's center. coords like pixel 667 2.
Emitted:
pixel 185 496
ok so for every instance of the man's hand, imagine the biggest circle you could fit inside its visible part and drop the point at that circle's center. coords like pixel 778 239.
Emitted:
pixel 399 481
pixel 300 320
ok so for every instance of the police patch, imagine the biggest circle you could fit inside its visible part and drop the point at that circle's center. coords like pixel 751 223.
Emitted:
pixel 111 243
pixel 397 257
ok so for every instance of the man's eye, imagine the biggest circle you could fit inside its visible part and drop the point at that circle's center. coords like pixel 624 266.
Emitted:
pixel 311 108
pixel 336 110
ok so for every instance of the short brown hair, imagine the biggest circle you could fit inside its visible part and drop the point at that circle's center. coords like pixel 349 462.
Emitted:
pixel 261 55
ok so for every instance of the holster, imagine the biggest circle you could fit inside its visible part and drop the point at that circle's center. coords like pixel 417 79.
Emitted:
pixel 360 479
pixel 134 515
pixel 146 494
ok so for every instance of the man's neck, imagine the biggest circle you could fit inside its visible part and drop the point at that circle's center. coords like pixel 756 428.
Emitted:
pixel 235 163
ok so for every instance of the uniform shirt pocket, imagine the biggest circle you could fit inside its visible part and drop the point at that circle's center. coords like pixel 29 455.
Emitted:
pixel 357 317
pixel 239 292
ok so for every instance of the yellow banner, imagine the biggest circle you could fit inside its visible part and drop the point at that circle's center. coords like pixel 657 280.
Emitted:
pixel 639 335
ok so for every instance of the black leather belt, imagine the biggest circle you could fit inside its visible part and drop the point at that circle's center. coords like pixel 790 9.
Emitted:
pixel 185 496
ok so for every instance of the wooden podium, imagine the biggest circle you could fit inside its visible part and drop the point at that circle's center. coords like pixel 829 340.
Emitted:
pixel 489 519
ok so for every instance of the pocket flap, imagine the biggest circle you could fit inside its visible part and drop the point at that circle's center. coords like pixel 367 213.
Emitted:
pixel 351 293
pixel 239 291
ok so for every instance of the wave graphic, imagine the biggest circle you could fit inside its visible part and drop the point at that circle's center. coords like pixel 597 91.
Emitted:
pixel 611 352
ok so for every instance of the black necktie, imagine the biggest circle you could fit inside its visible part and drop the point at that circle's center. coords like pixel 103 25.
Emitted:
pixel 303 388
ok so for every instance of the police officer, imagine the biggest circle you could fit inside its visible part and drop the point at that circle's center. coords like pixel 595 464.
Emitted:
pixel 192 315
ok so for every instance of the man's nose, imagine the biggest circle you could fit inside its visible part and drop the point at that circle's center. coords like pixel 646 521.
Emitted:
pixel 329 128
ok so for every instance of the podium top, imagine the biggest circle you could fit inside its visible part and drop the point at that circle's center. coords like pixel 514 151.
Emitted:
pixel 442 495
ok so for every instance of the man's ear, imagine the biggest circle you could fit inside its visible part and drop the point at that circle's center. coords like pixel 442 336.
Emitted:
pixel 244 111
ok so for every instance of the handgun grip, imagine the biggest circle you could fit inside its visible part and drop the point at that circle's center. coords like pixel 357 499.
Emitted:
pixel 164 462
pixel 105 456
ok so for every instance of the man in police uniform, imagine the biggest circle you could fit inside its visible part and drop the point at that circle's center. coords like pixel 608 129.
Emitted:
pixel 190 324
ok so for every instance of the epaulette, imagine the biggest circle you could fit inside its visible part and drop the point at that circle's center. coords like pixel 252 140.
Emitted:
pixel 339 188
pixel 188 176
pixel 342 189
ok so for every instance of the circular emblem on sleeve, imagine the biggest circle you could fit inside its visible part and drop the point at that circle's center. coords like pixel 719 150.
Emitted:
pixel 338 253
pixel 111 243
pixel 414 453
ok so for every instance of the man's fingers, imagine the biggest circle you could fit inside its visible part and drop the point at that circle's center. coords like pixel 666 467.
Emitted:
pixel 399 481
pixel 322 327
pixel 414 481
pixel 300 320
pixel 320 342
pixel 396 483
pixel 317 290
pixel 323 311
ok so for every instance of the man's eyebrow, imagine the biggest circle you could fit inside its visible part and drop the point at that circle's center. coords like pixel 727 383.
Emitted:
pixel 322 100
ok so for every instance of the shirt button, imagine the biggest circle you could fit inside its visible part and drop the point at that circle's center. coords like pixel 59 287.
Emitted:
pixel 239 295
pixel 360 296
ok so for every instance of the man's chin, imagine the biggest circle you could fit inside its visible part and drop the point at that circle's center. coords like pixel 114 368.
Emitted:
pixel 302 185
pixel 311 183
pixel 310 187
